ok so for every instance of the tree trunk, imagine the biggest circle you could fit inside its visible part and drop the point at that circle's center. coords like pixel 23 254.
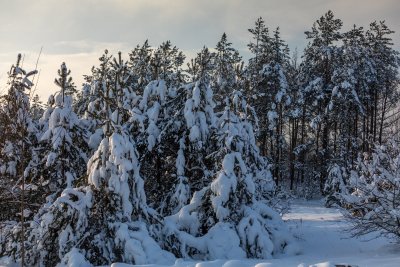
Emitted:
pixel 382 118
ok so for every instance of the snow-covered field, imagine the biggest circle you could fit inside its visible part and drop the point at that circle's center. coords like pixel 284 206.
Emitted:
pixel 323 241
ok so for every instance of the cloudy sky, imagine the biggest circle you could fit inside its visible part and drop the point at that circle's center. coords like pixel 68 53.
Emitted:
pixel 77 31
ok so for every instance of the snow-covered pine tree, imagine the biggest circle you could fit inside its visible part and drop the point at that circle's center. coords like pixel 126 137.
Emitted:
pixel 260 47
pixel 93 107
pixel 268 91
pixel 114 171
pixel 108 220
pixel 336 184
pixel 202 66
pixel 320 61
pixel 272 103
pixel 173 123
pixel 139 64
pixel 148 118
pixel 200 120
pixel 151 116
pixel 194 230
pixel 63 146
pixel 19 136
pixel 227 65
pixel 384 94
pixel 166 63
pixel 193 112
pixel 157 126
pixel 363 95
pixel 56 162
pixel 37 109
pixel 373 202
pixel 193 166
pixel 65 81
pixel 296 124
pixel 82 100
pixel 351 80
pixel 18 197
pixel 229 217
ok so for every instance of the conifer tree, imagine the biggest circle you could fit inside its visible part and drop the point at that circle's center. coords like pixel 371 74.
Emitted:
pixel 19 134
pixel 63 147
pixel 320 61
pixel 166 62
pixel 176 122
pixel 373 198
pixel 37 108
pixel 269 87
pixel 94 107
pixel 107 220
pixel 217 221
pixel 19 200
pixel 139 64
pixel 383 93
pixel 364 91
pixel 228 64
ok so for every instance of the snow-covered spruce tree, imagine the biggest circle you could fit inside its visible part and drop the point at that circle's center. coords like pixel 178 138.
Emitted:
pixel 229 217
pixel 374 202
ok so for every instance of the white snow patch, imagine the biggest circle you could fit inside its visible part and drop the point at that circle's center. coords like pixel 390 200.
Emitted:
pixel 320 233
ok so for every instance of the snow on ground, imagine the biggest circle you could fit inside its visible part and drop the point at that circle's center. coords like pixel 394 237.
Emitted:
pixel 321 235
pixel 322 238
pixel 323 241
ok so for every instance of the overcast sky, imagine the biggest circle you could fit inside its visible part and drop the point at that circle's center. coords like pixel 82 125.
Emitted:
pixel 77 31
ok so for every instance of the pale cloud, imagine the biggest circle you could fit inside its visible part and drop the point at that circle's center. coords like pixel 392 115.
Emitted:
pixel 78 31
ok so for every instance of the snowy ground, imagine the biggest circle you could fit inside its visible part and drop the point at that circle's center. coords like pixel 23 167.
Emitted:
pixel 320 234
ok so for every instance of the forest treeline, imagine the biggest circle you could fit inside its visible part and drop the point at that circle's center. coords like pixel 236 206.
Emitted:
pixel 154 159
